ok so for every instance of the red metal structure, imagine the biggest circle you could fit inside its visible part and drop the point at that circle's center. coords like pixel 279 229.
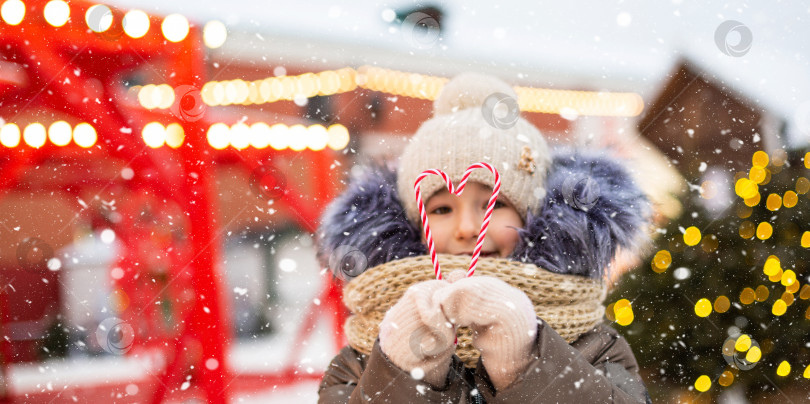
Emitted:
pixel 79 73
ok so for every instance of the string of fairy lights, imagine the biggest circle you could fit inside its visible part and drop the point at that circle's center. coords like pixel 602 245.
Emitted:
pixel 747 189
pixel 175 28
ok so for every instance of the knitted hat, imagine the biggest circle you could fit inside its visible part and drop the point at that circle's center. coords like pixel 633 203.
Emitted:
pixel 476 119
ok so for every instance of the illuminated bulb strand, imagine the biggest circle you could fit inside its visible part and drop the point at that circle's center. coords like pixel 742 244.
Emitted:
pixel 175 27
pixel 423 214
pixel 413 85
pixel 279 136
pixel 552 101
pixel 59 133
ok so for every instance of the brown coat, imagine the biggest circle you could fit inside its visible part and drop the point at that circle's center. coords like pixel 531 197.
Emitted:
pixel 599 367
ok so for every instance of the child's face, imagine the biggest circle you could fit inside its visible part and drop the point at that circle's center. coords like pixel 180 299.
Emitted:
pixel 456 220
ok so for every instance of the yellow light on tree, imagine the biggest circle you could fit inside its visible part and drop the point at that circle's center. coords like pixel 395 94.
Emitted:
pixel 783 369
pixel 703 307
pixel 623 311
pixel 772 266
pixel 661 261
pixel 760 159
pixel 779 307
pixel 790 199
pixel 754 354
pixel 745 188
pixel 703 383
pixel 764 231
pixel 743 343
pixel 691 236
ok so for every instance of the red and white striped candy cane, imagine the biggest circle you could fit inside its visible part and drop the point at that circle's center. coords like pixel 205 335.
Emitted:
pixel 423 214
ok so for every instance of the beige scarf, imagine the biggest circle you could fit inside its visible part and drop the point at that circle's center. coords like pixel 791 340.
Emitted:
pixel 570 304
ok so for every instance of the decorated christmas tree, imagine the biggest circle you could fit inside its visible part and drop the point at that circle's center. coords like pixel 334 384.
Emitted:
pixel 723 302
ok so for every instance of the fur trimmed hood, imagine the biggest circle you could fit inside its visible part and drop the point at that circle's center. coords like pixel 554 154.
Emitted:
pixel 591 210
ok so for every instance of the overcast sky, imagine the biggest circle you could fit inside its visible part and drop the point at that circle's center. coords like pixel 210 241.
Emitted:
pixel 628 44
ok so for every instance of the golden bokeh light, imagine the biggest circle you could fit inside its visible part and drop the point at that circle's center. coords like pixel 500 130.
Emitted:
pixel 764 231
pixel 783 369
pixel 703 307
pixel 703 383
pixel 721 304
pixel 760 159
pixel 779 307
pixel 691 236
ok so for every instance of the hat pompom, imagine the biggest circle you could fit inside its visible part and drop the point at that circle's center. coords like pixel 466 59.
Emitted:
pixel 469 90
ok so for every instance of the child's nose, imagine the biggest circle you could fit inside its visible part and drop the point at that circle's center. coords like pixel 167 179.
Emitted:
pixel 469 224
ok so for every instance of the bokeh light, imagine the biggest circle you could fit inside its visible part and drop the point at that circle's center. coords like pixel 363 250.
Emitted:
pixel 56 13
pixel 35 135
pixel 175 27
pixel 84 135
pixel 136 23
pixel 10 135
pixel 214 34
pixel 12 11
pixel 60 133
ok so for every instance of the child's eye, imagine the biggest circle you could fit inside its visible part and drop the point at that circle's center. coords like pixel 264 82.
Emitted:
pixel 441 210
pixel 498 204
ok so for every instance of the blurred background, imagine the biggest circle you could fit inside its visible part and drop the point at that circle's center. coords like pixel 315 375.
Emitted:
pixel 163 166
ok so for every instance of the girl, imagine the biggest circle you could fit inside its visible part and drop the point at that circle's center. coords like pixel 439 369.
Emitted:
pixel 529 323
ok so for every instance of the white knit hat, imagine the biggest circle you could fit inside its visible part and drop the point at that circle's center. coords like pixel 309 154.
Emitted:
pixel 476 119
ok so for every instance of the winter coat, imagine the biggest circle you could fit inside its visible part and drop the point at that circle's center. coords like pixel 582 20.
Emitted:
pixel 592 208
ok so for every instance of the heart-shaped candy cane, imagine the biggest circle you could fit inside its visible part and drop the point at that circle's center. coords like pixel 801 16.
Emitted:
pixel 429 236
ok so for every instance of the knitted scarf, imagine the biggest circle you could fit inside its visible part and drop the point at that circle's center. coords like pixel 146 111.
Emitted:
pixel 570 304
